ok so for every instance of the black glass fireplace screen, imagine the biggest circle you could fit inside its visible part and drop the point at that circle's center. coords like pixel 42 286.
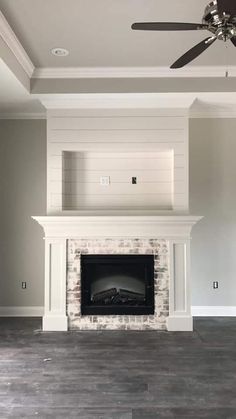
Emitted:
pixel 117 284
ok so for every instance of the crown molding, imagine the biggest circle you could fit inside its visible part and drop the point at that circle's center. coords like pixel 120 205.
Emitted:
pixel 212 112
pixel 131 72
pixel 182 101
pixel 15 46
pixel 194 114
pixel 209 112
pixel 23 115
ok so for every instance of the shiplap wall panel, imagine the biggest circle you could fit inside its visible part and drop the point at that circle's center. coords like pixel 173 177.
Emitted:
pixel 144 202
pixel 84 145
pixel 117 163
pixel 110 123
pixel 165 136
pixel 149 176
pixel 116 146
pixel 104 164
pixel 147 201
pixel 116 113
pixel 57 176
pixel 115 189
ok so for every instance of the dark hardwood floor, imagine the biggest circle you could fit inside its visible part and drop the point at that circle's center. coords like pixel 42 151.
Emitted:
pixel 118 375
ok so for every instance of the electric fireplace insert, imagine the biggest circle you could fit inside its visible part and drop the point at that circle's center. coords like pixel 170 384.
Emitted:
pixel 117 284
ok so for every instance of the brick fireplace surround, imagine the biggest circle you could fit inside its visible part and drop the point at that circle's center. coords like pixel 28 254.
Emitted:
pixel 158 248
pixel 166 237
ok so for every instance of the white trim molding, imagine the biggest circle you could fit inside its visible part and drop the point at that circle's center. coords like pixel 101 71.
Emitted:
pixel 97 102
pixel 10 38
pixel 132 72
pixel 214 311
pixel 164 226
pixel 20 311
pixel 180 101
pixel 193 105
pixel 209 112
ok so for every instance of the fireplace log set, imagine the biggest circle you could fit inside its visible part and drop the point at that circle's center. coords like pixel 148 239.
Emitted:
pixel 118 296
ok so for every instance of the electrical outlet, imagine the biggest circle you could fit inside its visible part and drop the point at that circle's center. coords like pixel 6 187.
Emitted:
pixel 105 180
pixel 134 180
pixel 23 285
pixel 215 285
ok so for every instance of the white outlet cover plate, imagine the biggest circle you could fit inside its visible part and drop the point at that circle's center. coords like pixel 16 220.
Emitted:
pixel 105 180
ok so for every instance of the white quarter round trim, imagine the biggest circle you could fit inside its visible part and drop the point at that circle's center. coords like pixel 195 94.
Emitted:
pixel 15 46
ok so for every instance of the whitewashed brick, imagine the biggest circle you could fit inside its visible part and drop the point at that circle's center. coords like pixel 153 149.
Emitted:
pixel 160 250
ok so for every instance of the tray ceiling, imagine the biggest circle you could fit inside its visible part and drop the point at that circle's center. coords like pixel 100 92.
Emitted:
pixel 98 33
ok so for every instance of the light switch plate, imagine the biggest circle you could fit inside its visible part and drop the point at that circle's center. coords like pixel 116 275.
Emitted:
pixel 105 180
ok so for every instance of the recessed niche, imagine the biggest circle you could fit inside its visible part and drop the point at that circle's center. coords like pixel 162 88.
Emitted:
pixel 82 188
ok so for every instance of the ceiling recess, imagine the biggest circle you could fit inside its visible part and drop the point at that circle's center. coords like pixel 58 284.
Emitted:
pixel 60 52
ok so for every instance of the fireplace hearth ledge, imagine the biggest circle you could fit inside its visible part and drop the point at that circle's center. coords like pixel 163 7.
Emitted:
pixel 176 229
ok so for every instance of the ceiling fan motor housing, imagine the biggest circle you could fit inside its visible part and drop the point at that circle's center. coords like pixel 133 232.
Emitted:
pixel 222 26
pixel 211 15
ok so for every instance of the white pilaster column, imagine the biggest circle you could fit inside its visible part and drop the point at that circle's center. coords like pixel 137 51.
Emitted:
pixel 180 318
pixel 55 318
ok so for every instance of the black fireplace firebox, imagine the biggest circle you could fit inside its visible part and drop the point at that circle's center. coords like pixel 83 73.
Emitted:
pixel 117 284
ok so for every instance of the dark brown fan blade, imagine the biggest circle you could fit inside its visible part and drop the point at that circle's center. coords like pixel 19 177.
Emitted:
pixel 233 40
pixel 193 52
pixel 227 6
pixel 167 26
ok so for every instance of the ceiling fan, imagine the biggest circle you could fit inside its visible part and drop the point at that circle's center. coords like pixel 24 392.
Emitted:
pixel 219 18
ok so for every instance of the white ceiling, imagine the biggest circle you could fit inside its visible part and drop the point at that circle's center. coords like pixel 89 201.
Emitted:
pixel 98 35
pixel 98 32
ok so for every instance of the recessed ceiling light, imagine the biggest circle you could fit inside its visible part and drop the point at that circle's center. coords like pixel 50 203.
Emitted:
pixel 59 52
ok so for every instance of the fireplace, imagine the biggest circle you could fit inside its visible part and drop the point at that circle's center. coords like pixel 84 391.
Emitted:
pixel 117 284
pixel 95 208
pixel 146 261
pixel 164 238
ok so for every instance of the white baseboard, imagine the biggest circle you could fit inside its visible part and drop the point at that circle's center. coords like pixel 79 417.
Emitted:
pixel 214 311
pixel 19 311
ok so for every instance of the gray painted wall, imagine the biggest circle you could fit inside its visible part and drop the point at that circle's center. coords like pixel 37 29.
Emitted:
pixel 23 193
pixel 212 194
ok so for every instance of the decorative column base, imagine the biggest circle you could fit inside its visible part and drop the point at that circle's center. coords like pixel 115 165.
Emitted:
pixel 55 323
pixel 180 324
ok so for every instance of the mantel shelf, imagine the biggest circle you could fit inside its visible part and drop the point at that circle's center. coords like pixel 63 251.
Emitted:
pixel 169 226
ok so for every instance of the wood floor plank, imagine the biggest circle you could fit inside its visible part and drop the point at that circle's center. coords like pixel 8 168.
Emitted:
pixel 118 374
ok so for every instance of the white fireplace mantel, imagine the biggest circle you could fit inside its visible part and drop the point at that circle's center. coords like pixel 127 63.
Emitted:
pixel 159 226
pixel 176 229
